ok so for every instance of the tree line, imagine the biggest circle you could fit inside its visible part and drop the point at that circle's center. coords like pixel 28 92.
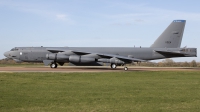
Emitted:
pixel 169 63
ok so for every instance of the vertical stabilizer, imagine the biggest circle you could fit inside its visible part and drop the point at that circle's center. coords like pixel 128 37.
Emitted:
pixel 172 36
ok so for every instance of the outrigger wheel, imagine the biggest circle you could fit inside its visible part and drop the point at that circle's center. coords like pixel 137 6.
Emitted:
pixel 125 68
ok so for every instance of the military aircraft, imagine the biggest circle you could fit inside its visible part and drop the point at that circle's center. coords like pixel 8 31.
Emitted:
pixel 167 45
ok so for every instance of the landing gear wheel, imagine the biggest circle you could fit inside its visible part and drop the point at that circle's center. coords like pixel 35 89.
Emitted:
pixel 53 65
pixel 125 68
pixel 113 66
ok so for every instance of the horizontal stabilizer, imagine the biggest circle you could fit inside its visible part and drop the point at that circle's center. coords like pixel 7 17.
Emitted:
pixel 177 53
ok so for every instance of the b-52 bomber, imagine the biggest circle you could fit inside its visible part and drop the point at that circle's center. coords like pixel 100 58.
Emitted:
pixel 167 45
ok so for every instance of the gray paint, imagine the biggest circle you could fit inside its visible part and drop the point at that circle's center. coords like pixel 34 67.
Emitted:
pixel 38 54
pixel 166 46
pixel 172 36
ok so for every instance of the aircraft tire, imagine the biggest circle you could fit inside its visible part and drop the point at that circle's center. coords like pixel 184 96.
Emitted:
pixel 125 68
pixel 53 65
pixel 56 66
pixel 113 66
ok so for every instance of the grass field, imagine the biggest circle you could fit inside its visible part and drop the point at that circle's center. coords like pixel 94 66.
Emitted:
pixel 91 92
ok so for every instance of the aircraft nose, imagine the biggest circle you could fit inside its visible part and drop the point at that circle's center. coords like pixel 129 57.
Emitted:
pixel 6 54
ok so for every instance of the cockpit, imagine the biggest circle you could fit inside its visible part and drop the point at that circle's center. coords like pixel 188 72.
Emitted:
pixel 14 49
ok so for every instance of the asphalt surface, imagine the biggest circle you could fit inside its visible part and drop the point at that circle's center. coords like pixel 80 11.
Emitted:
pixel 93 69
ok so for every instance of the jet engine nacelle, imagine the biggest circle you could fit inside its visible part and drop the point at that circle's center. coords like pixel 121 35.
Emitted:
pixel 57 57
pixel 79 59
pixel 112 60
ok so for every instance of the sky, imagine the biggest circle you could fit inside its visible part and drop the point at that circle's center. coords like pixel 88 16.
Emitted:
pixel 95 23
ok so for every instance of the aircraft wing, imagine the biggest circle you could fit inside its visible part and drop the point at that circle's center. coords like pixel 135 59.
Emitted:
pixel 55 50
pixel 123 58
pixel 171 53
pixel 59 50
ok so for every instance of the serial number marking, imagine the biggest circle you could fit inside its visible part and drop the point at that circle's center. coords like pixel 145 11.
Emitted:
pixel 168 42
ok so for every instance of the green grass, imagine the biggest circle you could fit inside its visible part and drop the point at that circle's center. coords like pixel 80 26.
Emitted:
pixel 86 92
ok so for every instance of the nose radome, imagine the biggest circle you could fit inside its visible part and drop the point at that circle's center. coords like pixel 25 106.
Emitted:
pixel 6 54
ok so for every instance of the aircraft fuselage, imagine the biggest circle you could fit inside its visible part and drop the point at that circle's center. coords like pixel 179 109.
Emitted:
pixel 167 45
pixel 38 54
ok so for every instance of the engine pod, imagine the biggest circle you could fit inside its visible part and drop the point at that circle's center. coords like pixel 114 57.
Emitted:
pixel 79 59
pixel 57 57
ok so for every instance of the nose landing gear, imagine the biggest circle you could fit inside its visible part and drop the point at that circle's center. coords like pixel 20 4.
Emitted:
pixel 53 65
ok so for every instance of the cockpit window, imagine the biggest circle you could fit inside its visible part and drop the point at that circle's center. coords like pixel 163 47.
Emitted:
pixel 14 49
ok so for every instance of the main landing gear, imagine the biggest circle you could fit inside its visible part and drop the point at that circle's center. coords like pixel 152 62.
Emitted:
pixel 53 65
pixel 114 66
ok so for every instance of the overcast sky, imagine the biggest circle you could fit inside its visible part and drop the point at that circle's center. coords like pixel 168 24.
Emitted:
pixel 95 23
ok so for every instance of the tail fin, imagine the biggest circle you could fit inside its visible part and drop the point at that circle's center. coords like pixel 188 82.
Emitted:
pixel 172 36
